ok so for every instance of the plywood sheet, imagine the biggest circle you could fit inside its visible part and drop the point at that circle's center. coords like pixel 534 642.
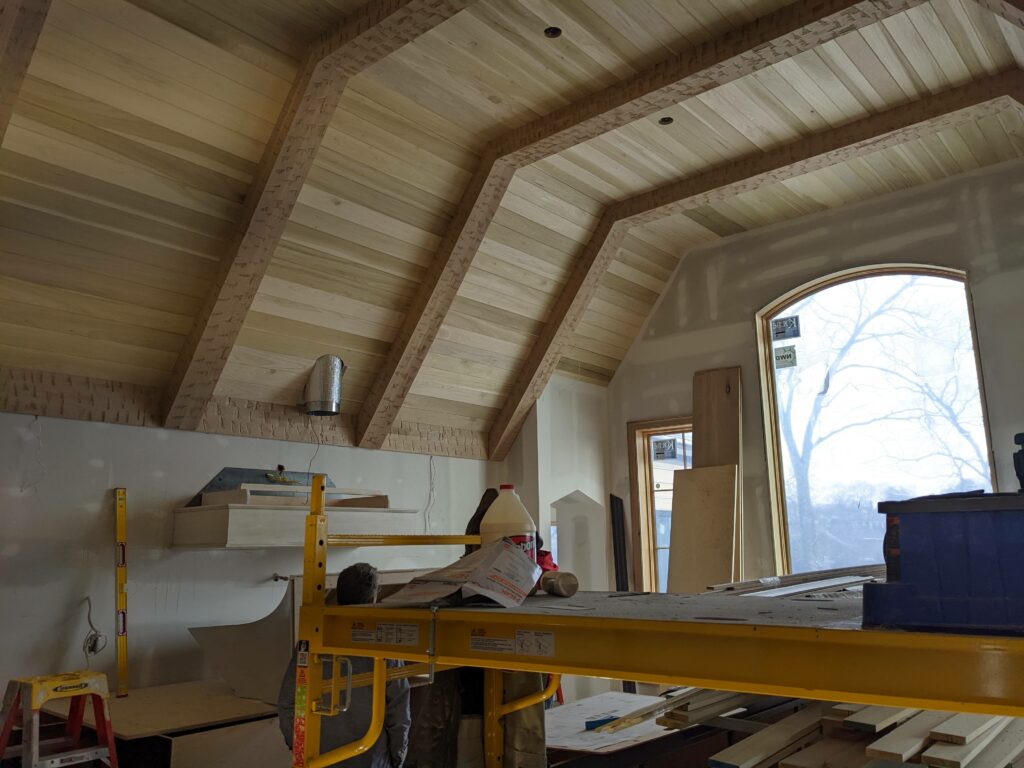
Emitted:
pixel 251 657
pixel 175 707
pixel 703 518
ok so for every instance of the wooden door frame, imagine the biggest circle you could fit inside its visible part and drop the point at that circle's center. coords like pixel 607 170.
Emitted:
pixel 642 504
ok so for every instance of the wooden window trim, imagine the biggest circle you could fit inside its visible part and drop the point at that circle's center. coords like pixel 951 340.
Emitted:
pixel 642 504
pixel 777 495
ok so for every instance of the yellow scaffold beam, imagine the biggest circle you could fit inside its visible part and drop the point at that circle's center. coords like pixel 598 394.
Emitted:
pixel 966 673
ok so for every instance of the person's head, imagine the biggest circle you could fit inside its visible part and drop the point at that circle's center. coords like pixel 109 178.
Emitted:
pixel 358 584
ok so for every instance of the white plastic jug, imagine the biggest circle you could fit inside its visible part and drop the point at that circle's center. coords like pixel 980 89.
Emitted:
pixel 508 518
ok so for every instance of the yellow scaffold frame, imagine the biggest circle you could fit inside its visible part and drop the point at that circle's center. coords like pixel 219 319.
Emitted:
pixel 825 661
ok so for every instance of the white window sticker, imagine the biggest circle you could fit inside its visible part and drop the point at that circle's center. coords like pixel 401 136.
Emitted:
pixel 387 634
pixel 786 328
pixel 785 357
pixel 492 644
pixel 531 643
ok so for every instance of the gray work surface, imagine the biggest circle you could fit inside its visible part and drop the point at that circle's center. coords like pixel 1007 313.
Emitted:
pixel 805 611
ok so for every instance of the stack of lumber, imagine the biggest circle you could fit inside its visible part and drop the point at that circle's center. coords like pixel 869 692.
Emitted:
pixel 702 706
pixel 822 735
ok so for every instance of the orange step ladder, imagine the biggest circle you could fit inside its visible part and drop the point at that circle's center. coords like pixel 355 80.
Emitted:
pixel 24 699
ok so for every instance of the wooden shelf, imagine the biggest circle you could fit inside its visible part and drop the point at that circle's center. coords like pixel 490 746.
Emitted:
pixel 239 526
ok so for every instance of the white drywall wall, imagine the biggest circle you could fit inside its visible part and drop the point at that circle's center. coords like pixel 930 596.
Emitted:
pixel 705 319
pixel 572 459
pixel 57 533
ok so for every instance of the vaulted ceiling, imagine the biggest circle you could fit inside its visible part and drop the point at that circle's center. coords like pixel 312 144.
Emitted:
pixel 199 199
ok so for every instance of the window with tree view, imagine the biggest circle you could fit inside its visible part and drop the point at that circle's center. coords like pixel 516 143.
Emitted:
pixel 876 397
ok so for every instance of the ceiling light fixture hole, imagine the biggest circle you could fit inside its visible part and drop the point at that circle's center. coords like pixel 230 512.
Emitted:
pixel 553 32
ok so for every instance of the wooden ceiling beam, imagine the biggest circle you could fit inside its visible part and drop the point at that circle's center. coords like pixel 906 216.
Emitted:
pixel 768 40
pixel 370 34
pixel 892 127
pixel 21 22
pixel 1011 10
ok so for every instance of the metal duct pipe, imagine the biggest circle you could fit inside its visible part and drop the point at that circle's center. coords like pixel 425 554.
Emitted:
pixel 322 396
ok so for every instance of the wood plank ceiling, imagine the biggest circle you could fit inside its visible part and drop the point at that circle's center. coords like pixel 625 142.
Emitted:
pixel 139 129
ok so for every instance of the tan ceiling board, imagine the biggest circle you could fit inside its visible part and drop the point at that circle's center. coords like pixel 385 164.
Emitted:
pixel 484 319
pixel 336 273
pixel 81 21
pixel 270 34
pixel 364 39
pixel 370 217
pixel 99 78
pixel 28 226
pixel 101 308
pixel 366 165
pixel 182 242
pixel 597 319
pixel 431 415
pixel 282 370
pixel 360 235
pixel 644 280
pixel 509 242
pixel 740 52
pixel 50 176
pixel 65 320
pixel 512 346
pixel 329 304
pixel 579 370
pixel 308 347
pixel 21 23
pixel 65 344
pixel 428 387
pixel 59 362
pixel 398 157
pixel 38 141
pixel 486 289
pixel 732 182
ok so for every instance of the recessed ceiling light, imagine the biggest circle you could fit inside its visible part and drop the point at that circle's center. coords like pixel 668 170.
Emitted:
pixel 665 121
pixel 553 32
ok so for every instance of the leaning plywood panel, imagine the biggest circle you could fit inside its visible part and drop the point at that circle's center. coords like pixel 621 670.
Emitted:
pixel 251 657
pixel 703 519
pixel 718 436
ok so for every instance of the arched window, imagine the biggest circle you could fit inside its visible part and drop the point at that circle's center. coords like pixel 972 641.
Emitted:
pixel 871 393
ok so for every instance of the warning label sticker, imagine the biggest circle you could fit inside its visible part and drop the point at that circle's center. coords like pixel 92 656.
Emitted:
pixel 386 634
pixel 524 643
pixel 492 644
pixel 531 643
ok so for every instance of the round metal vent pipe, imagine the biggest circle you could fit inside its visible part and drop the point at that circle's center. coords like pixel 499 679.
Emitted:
pixel 322 396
